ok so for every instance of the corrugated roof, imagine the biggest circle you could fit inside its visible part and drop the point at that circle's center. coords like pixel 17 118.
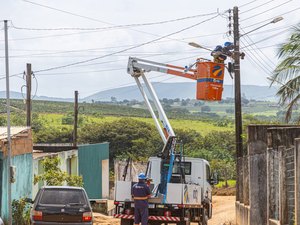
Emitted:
pixel 13 131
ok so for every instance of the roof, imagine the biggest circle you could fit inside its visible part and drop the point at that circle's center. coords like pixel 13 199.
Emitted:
pixel 39 154
pixel 13 131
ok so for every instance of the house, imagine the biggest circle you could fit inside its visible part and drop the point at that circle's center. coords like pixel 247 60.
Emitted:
pixel 91 161
pixel 21 158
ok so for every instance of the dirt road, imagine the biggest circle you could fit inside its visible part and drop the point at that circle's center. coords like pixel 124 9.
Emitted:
pixel 223 213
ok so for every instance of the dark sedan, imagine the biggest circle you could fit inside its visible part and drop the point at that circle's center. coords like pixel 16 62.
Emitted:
pixel 61 205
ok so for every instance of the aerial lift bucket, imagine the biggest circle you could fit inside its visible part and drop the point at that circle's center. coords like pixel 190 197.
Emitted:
pixel 210 77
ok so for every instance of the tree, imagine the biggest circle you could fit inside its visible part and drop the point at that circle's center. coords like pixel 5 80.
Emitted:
pixel 287 73
pixel 224 168
pixel 127 137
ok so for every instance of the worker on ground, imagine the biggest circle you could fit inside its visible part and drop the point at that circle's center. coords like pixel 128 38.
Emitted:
pixel 140 193
pixel 220 53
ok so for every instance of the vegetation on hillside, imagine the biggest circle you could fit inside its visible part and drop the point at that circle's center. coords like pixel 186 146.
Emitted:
pixel 204 131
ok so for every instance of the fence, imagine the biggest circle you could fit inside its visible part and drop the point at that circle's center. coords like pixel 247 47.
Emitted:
pixel 269 173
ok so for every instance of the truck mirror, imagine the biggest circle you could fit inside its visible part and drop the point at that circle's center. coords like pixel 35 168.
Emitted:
pixel 214 179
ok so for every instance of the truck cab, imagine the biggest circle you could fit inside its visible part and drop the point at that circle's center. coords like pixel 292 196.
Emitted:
pixel 196 171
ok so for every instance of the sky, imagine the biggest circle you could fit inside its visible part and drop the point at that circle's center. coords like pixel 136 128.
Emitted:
pixel 84 45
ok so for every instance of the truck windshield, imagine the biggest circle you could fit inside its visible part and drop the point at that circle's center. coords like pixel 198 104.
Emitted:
pixel 186 168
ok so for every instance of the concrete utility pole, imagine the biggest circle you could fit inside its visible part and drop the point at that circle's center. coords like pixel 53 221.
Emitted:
pixel 8 127
pixel 75 120
pixel 28 94
pixel 238 107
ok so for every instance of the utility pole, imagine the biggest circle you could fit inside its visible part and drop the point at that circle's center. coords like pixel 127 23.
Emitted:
pixel 28 97
pixel 238 107
pixel 75 120
pixel 8 127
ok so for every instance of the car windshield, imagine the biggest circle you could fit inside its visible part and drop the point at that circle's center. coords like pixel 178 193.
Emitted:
pixel 62 197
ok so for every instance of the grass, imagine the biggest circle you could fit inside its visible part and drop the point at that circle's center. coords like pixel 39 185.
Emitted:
pixel 231 183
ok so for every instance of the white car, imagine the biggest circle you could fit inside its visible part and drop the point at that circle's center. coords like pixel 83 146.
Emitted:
pixel 1 221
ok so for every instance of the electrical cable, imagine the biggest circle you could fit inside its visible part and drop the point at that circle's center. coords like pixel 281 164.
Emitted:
pixel 258 14
pixel 104 70
pixel 112 27
pixel 261 52
pixel 36 86
pixel 268 20
pixel 260 59
pixel 252 56
pixel 89 18
pixel 270 37
pixel 256 7
pixel 124 50
pixel 49 55
pixel 247 3
pixel 14 75
pixel 269 30
pixel 132 83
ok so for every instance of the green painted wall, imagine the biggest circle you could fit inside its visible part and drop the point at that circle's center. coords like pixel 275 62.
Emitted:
pixel 23 185
pixel 90 167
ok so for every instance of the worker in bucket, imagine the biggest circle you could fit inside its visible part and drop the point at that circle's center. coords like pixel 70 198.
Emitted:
pixel 140 193
pixel 220 53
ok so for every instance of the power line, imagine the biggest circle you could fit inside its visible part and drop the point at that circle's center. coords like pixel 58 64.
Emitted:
pixel 261 52
pixel 267 38
pixel 89 18
pixel 259 58
pixel 124 50
pixel 112 27
pixel 247 3
pixel 251 58
pixel 256 7
pixel 258 14
pixel 268 20
pixel 13 75
pixel 48 55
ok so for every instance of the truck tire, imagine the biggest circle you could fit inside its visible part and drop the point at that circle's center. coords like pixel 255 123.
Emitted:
pixel 126 222
pixel 204 217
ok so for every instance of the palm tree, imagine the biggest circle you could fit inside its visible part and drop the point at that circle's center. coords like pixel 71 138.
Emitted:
pixel 287 73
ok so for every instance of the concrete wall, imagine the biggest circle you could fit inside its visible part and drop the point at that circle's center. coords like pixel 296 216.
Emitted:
pixel 270 175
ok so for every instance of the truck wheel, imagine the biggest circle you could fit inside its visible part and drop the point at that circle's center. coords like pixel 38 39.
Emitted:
pixel 204 217
pixel 126 222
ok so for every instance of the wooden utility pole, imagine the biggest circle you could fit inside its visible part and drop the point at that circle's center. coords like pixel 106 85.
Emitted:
pixel 238 107
pixel 28 94
pixel 75 120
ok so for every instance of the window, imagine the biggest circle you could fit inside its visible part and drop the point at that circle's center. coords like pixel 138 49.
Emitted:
pixel 62 197
pixel 208 173
pixel 187 168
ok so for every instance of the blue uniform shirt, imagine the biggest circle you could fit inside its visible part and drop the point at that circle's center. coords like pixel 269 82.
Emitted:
pixel 140 189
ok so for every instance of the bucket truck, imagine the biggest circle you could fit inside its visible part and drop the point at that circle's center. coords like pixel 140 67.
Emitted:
pixel 182 185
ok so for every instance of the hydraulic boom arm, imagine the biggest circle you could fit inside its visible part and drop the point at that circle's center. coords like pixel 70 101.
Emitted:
pixel 137 68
